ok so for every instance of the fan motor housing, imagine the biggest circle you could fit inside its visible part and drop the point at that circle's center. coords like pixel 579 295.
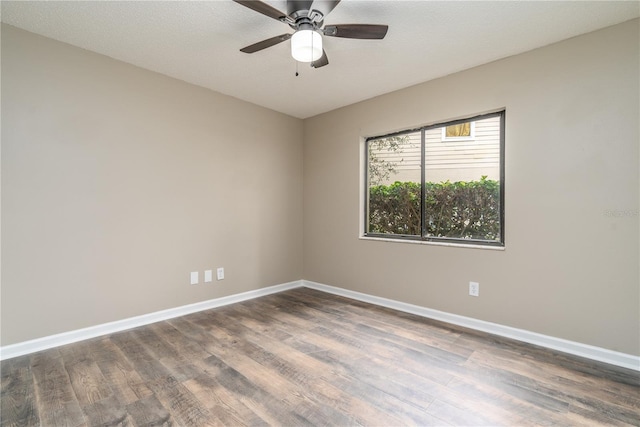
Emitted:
pixel 297 7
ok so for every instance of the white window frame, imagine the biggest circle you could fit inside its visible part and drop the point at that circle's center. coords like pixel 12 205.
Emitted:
pixel 471 137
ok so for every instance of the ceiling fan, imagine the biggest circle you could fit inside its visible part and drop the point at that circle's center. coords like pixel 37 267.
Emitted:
pixel 306 18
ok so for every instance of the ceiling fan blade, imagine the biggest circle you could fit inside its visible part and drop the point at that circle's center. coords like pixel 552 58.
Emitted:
pixel 356 31
pixel 322 61
pixel 266 43
pixel 262 8
pixel 324 6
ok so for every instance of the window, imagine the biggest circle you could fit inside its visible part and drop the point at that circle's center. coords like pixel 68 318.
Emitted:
pixel 459 132
pixel 418 188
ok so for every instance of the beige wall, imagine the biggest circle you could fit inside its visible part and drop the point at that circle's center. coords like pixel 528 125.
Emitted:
pixel 570 267
pixel 117 182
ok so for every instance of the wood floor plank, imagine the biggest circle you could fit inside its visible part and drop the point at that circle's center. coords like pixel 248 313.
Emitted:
pixel 304 357
pixel 367 318
pixel 365 339
pixel 269 408
pixel 289 363
pixel 233 352
pixel 581 416
pixel 107 412
pixel 120 375
pixel 319 390
pixel 410 361
pixel 225 406
pixel 514 410
pixel 56 399
pixel 76 352
pixel 17 404
pixel 244 369
pixel 150 370
pixel 364 312
pixel 457 415
pixel 348 360
pixel 184 407
pixel 185 349
pixel 235 390
pixel 160 350
pixel 403 384
pixel 568 387
pixel 148 411
pixel 87 382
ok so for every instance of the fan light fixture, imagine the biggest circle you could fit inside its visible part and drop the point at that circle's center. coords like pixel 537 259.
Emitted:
pixel 309 29
pixel 306 46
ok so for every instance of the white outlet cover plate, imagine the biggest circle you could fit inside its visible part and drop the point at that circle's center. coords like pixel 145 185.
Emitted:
pixel 208 276
pixel 220 273
pixel 474 289
pixel 194 277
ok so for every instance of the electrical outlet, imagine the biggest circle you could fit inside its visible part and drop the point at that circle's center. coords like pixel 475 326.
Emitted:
pixel 194 277
pixel 474 289
pixel 208 276
pixel 220 273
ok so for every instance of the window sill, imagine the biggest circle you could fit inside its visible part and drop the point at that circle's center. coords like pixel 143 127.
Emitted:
pixel 425 242
pixel 458 138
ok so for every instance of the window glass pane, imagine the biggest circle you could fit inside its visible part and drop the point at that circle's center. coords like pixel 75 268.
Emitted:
pixel 461 129
pixel 394 176
pixel 462 183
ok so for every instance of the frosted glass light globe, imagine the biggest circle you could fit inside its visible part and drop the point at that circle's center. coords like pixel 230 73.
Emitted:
pixel 306 46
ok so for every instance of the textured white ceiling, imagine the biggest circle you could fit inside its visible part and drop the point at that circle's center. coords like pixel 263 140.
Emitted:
pixel 199 42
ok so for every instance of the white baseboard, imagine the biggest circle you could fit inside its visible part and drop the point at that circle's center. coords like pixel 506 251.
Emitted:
pixel 44 343
pixel 578 349
pixel 571 347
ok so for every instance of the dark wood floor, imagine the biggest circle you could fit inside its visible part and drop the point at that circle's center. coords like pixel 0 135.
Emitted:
pixel 303 357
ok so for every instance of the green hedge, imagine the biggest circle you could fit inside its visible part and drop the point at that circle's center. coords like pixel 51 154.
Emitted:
pixel 463 209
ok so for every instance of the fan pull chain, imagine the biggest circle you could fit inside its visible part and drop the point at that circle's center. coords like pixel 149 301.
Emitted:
pixel 297 69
